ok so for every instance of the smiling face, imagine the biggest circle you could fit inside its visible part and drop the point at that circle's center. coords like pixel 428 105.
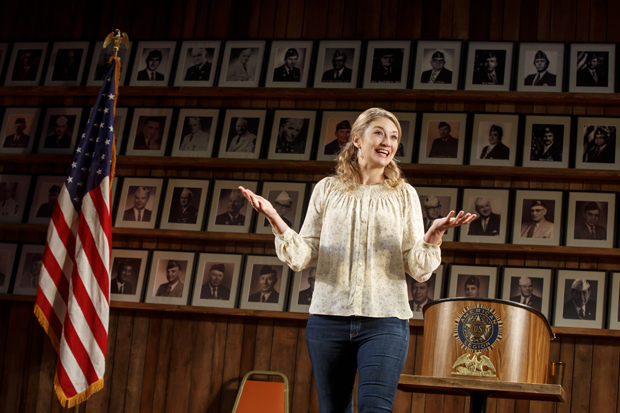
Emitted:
pixel 592 63
pixel 290 131
pixel 172 274
pixel 140 199
pixel 216 277
pixel 198 56
pixel 483 208
pixel 600 138
pixel 241 127
pixel 548 138
pixel 471 290
pixel 151 130
pixel 123 273
pixel 379 143
pixel 338 62
pixel 244 56
pixel 538 213
pixel 444 132
pixel 437 63
pixel 387 60
pixel 153 63
pixel 494 137
pixel 291 61
pixel 194 125
pixel 526 287
pixel 419 292
pixel 267 282
pixel 490 64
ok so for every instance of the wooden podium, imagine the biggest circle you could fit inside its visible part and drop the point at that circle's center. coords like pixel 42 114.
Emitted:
pixel 484 348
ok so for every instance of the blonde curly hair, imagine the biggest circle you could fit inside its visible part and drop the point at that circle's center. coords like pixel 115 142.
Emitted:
pixel 347 166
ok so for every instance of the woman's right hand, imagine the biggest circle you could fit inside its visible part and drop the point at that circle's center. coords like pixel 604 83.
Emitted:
pixel 264 207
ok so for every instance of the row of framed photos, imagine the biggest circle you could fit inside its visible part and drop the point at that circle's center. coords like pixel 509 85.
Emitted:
pixel 374 64
pixel 490 139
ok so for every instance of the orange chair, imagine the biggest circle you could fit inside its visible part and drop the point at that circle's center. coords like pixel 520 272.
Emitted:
pixel 262 396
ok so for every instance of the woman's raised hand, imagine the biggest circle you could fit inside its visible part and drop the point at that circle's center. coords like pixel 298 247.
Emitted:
pixel 264 207
pixel 440 225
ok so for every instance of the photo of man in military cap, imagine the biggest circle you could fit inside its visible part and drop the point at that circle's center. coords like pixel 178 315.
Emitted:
pixel 288 72
pixel 292 136
pixel 267 279
pixel 283 205
pixel 495 149
pixel 174 286
pixel 542 77
pixel 47 209
pixel 343 132
pixel 547 143
pixel 538 226
pixel 438 73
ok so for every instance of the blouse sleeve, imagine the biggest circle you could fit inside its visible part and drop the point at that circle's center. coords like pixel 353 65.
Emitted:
pixel 420 258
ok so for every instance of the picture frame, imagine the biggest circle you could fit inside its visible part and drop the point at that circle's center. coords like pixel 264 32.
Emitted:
pixel 489 65
pixel 45 197
pixel 230 218
pixel 99 64
pixel 26 64
pixel 138 191
pixel 15 189
pixel 442 57
pixel 337 64
pixel 66 66
pixel 334 123
pixel 288 199
pixel 198 63
pixel 538 217
pixel 537 282
pixel 148 135
pixel 4 50
pixel 242 134
pixel 170 277
pixel 387 64
pixel 421 294
pixel 588 58
pixel 184 205
pixel 196 133
pixel 61 127
pixel 596 210
pixel 613 322
pixel 120 119
pixel 292 134
pixel 262 268
pixel 217 280
pixel 442 138
pixel 566 313
pixel 130 265
pixel 473 281
pixel 439 201
pixel 152 64
pixel 407 120
pixel 30 263
pixel 22 122
pixel 494 139
pixel 597 144
pixel 290 62
pixel 489 201
pixel 8 252
pixel 242 63
pixel 547 141
pixel 302 290
pixel 547 75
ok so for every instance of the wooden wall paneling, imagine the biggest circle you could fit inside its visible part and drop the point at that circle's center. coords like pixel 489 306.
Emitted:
pixel 496 30
pixel 262 349
pixel 31 376
pixel 46 394
pixel 409 19
pixel 528 28
pixel 284 351
pixel 389 14
pixel 218 364
pixel 418 400
pixel 22 30
pixel 604 387
pixel 39 22
pixel 480 19
pixel 301 382
pixel 122 17
pixel 122 351
pixel 335 16
pixel 14 355
pixel 162 363
pixel 98 18
pixel 351 10
pixel 446 19
pixel 315 19
pixel 232 364
pixel 218 19
pixel 143 23
pixel 267 18
pixel 431 13
pixel 567 355
pixel 544 20
pixel 181 356
pixel 295 19
pixel 8 20
pixel 582 374
pixel 584 27
pixel 563 20
pixel 202 363
pixel 461 19
pixel 368 24
pixel 137 361
pixel 190 20
pixel 202 19
pixel 280 26
pixel 613 29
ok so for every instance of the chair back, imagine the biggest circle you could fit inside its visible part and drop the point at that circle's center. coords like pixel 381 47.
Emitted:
pixel 262 396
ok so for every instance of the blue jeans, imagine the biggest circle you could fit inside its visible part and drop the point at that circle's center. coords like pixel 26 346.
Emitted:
pixel 339 346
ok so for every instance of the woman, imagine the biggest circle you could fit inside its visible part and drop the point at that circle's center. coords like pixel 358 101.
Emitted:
pixel 364 229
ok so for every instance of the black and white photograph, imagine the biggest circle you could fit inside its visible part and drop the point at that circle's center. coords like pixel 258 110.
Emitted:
pixel 26 64
pixel 437 64
pixel 18 130
pixel 597 146
pixel 100 63
pixel 335 133
pixel 592 67
pixel 541 67
pixel 494 140
pixel 614 299
pixel 217 280
pixel 139 203
pixel 437 202
pixel 288 200
pixel 442 138
pixel 472 281
pixel 127 274
pixel 528 286
pixel 489 66
pixel 580 299
pixel 242 63
pixel 67 61
pixel 289 63
pixel 292 134
pixel 242 134
pixel 337 64
pixel 13 194
pixel 302 290
pixel 407 121
pixel 197 65
pixel 153 63
pixel 170 277
pixel 45 197
pixel 265 283
pixel 60 130
pixel 387 64
pixel 184 205
pixel 7 262
pixel 30 263
pixel 537 217
pixel 196 133
pixel 148 135
pixel 423 293
pixel 591 219
pixel 229 211
pixel 546 142
pixel 492 208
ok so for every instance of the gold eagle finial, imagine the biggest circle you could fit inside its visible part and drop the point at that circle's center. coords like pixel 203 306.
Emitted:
pixel 117 38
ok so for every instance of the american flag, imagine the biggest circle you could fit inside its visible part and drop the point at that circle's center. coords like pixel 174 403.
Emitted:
pixel 73 298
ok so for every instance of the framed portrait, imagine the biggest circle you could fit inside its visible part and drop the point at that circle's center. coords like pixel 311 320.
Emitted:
pixel 472 281
pixel 537 217
pixel 528 286
pixel 139 203
pixel 265 283
pixel 8 254
pixel 442 138
pixel 303 288
pixel 614 299
pixel 18 129
pixel 196 132
pixel 407 121
pixel 597 145
pixel 242 135
pixel 437 202
pixel 289 63
pixel 127 274
pixel 4 49
pixel 217 280
pixel 288 200
pixel 148 135
pixel 591 219
pixel 387 64
pixel 185 203
pixel 30 263
pixel 592 67
pixel 60 130
pixel 337 64
pixel 46 193
pixel 242 63
pixel 547 141
pixel 100 63
pixel 492 208
pixel 580 299
pixel 489 66
pixel 437 64
pixel 120 119
pixel 421 294
pixel 153 63
pixel 26 64
pixel 335 133
pixel 229 210
pixel 13 192
pixel 67 61
pixel 292 133
pixel 494 140
pixel 541 67
pixel 170 277
pixel 198 62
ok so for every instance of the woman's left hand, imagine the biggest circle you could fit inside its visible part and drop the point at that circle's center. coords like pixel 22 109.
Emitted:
pixel 441 225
